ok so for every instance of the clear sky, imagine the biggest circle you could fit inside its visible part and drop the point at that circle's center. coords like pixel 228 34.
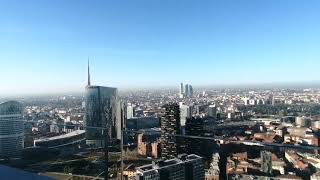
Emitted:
pixel 44 44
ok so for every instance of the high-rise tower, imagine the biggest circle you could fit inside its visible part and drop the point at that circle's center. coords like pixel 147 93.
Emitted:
pixel 185 113
pixel 212 111
pixel 181 91
pixel 101 114
pixel 170 126
pixel 89 78
pixel 11 129
pixel 185 91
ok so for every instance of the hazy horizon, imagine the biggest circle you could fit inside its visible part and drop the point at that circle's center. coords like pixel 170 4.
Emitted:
pixel 81 90
pixel 45 44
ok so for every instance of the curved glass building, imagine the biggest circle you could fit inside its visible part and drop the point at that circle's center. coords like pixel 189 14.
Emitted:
pixel 101 113
pixel 11 129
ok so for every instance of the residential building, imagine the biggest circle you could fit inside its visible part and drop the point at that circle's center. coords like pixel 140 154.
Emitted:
pixel 170 127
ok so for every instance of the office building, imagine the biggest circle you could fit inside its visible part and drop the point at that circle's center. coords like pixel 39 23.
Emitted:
pixel 170 126
pixel 138 123
pixel 121 118
pixel 199 146
pixel 194 166
pixel 190 95
pixel 188 91
pixel 195 127
pixel 100 114
pixel 67 144
pixel 185 91
pixel 185 113
pixel 266 162
pixel 181 91
pixel 11 129
pixel 212 111
pixel 101 109
pixel 185 167
pixel 130 111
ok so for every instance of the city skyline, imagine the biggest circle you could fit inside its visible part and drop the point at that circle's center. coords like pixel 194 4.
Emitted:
pixel 159 89
pixel 156 44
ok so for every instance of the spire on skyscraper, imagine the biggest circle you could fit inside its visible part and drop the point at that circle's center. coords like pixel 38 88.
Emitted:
pixel 89 80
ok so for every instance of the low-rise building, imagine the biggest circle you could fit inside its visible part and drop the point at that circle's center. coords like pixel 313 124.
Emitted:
pixel 66 143
pixel 296 160
pixel 278 164
pixel 149 144
pixel 186 167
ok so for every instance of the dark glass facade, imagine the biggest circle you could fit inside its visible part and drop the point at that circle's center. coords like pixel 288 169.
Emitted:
pixel 101 112
pixel 199 146
pixel 11 129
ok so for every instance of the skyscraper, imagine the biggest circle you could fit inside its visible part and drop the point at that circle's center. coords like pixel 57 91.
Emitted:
pixel 130 111
pixel 170 126
pixel 181 91
pixel 212 111
pixel 186 90
pixel 194 167
pixel 101 112
pixel 101 109
pixel 195 127
pixel 11 129
pixel 185 113
pixel 89 76
pixel 120 119
pixel 190 94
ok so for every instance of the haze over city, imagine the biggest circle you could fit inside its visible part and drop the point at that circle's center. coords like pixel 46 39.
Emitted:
pixel 159 90
pixel 45 45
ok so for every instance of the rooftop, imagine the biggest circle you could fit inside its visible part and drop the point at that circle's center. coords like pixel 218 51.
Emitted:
pixel 161 164
pixel 72 134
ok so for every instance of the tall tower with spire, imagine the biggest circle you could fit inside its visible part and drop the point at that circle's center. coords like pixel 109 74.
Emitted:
pixel 89 78
pixel 103 114
pixel 101 111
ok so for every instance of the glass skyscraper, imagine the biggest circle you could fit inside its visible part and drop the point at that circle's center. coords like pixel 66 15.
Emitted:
pixel 101 112
pixel 11 129
pixel 185 91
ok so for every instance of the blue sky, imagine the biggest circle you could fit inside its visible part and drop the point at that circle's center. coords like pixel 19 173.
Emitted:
pixel 44 44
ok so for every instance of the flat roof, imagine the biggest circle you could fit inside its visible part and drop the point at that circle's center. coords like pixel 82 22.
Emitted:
pixel 167 163
pixel 72 134
pixel 104 87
